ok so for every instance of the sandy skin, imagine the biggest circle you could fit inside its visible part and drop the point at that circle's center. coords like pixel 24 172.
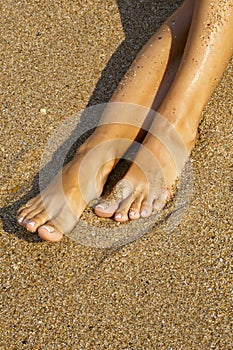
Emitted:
pixel 181 64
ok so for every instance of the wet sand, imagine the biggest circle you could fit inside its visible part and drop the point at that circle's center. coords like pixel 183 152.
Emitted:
pixel 169 289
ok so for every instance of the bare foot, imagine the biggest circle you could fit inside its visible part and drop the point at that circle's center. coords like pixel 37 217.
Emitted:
pixel 148 183
pixel 56 210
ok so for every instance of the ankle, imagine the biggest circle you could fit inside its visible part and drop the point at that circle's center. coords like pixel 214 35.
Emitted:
pixel 186 123
pixel 188 132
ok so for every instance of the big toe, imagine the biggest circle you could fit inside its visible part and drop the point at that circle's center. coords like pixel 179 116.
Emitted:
pixel 120 193
pixel 49 232
pixel 106 209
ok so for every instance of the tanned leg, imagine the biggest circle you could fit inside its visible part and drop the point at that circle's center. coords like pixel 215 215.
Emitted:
pixel 57 209
pixel 173 131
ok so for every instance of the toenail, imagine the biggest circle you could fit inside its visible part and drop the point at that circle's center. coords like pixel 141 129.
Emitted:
pixel 102 206
pixel 50 229
pixel 132 213
pixel 144 213
pixel 118 216
pixel 20 220
pixel 31 223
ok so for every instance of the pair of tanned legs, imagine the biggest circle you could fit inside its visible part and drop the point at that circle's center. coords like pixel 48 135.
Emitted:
pixel 175 73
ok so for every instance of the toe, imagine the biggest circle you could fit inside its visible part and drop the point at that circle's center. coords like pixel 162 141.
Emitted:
pixel 146 209
pixel 52 230
pixel 49 232
pixel 32 203
pixel 33 213
pixel 159 203
pixel 106 208
pixel 35 222
pixel 25 211
pixel 22 215
pixel 134 211
pixel 122 215
pixel 123 190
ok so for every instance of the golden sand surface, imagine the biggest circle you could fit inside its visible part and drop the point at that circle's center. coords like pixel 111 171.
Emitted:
pixel 169 289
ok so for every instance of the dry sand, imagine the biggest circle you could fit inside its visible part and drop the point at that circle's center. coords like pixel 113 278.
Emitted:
pixel 167 289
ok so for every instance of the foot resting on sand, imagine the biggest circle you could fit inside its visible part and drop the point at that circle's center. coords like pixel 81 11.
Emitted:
pixel 56 210
pixel 150 180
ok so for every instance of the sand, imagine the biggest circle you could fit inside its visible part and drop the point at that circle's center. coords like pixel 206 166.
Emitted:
pixel 168 289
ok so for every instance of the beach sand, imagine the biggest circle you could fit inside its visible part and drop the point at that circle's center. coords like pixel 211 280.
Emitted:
pixel 168 289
